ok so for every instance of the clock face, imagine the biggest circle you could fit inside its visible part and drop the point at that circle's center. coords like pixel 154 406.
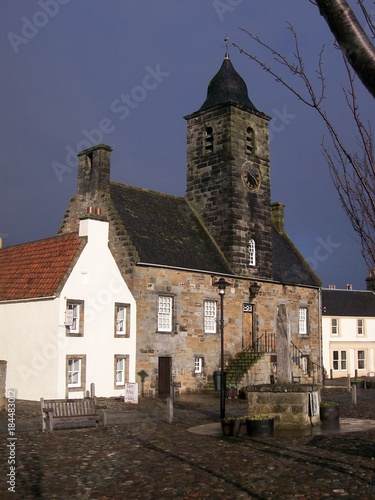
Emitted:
pixel 250 176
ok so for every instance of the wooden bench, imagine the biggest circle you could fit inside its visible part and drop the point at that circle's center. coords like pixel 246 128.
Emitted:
pixel 70 411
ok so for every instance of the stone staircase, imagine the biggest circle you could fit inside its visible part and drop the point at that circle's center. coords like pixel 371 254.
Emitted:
pixel 304 371
pixel 238 368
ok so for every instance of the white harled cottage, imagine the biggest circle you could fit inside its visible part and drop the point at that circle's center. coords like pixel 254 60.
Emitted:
pixel 67 316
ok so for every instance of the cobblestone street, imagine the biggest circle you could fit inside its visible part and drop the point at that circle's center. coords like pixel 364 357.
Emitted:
pixel 141 456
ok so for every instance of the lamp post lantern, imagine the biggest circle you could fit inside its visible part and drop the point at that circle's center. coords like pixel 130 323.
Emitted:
pixel 221 284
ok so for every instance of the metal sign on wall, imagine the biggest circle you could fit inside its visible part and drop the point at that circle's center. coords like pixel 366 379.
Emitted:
pixel 247 308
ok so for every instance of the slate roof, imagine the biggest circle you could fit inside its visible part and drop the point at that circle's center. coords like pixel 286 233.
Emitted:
pixel 166 231
pixel 227 86
pixel 289 266
pixel 348 303
pixel 37 269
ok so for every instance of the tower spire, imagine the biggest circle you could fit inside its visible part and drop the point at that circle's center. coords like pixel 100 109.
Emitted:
pixel 226 48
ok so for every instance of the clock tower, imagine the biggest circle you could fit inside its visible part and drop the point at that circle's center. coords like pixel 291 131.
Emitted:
pixel 228 173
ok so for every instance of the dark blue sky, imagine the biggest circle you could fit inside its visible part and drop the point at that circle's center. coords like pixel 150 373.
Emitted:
pixel 125 72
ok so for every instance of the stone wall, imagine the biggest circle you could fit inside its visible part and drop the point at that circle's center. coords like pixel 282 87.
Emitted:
pixel 290 405
pixel 3 374
pixel 188 339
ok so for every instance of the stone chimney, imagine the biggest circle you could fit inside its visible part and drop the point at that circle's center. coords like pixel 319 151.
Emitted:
pixel 370 281
pixel 278 216
pixel 94 169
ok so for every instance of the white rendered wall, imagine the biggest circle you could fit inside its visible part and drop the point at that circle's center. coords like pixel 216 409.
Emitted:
pixel 29 344
pixel 348 340
pixel 97 280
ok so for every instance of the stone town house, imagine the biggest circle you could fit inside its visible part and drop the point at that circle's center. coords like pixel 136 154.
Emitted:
pixel 172 249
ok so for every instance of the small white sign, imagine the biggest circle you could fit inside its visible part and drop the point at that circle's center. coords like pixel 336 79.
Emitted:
pixel 69 319
pixel 248 308
pixel 131 393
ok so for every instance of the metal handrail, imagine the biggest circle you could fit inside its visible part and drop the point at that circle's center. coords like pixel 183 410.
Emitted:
pixel 309 367
pixel 266 343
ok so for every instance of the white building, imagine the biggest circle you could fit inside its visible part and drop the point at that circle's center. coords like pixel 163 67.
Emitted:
pixel 67 316
pixel 348 330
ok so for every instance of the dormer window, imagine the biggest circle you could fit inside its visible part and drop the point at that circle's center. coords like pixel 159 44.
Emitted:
pixel 251 250
pixel 250 137
pixel 209 140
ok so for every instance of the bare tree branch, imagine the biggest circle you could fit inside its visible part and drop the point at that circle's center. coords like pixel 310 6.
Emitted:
pixel 351 38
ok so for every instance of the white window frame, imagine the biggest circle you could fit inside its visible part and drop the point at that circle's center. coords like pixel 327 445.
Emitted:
pixel 360 327
pixel 198 364
pixel 339 361
pixel 334 326
pixel 74 370
pixel 252 252
pixel 77 306
pixel 165 313
pixel 210 316
pixel 302 320
pixel 361 360
pixel 122 319
pixel 120 370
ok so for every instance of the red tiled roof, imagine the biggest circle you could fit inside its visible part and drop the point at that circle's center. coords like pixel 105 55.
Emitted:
pixel 37 269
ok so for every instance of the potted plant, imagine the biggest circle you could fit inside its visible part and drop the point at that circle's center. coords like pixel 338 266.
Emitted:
pixel 231 391
pixel 359 382
pixel 260 425
pixel 329 411
pixel 234 426
pixel 227 426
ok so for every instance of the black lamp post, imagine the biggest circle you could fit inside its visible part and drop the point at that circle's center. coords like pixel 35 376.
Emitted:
pixel 221 285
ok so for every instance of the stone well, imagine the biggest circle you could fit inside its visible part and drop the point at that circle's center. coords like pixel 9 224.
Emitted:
pixel 292 405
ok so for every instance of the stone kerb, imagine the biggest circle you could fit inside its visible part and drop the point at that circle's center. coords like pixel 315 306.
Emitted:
pixel 290 405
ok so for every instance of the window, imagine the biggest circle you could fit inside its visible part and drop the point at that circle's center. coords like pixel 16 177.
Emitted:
pixel 198 365
pixel 76 371
pixel 339 360
pixel 361 360
pixel 251 252
pixel 249 140
pixel 74 318
pixel 165 314
pixel 360 327
pixel 209 141
pixel 119 370
pixel 302 325
pixel 334 326
pixel 122 319
pixel 209 316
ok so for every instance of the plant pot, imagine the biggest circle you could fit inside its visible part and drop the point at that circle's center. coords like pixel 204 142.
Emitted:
pixel 240 428
pixel 231 393
pixel 329 414
pixel 360 384
pixel 227 427
pixel 260 427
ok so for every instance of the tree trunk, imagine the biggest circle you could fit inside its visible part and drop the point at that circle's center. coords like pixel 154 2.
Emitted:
pixel 353 41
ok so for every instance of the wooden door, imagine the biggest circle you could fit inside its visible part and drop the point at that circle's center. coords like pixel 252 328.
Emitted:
pixel 247 327
pixel 164 375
